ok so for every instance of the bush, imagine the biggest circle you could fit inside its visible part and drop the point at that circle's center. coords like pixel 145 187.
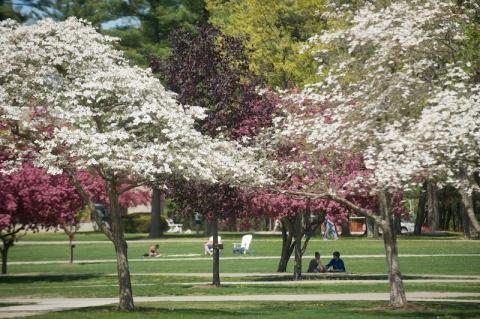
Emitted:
pixel 140 223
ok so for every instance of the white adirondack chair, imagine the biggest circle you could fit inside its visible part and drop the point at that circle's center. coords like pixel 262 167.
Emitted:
pixel 209 245
pixel 174 228
pixel 244 246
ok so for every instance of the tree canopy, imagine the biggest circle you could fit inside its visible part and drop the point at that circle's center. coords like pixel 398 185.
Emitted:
pixel 74 101
pixel 274 33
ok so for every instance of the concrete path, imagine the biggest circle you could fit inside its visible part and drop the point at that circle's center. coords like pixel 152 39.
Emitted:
pixel 329 282
pixel 195 257
pixel 347 275
pixel 39 306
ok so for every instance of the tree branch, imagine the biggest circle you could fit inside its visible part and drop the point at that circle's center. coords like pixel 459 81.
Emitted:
pixel 345 202
pixel 2 236
pixel 89 204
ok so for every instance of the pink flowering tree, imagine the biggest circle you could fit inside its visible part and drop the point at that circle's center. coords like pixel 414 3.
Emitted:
pixel 303 168
pixel 32 199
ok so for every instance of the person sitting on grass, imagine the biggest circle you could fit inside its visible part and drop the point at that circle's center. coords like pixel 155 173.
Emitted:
pixel 315 264
pixel 152 251
pixel 336 263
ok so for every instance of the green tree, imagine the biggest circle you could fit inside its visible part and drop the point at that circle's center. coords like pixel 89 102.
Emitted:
pixel 157 19
pixel 7 12
pixel 275 32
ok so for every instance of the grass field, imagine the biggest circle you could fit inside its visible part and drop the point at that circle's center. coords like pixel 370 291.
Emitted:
pixel 274 310
pixel 99 257
pixel 94 275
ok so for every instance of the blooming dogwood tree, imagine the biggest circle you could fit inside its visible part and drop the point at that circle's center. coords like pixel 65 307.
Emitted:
pixel 416 94
pixel 303 167
pixel 392 80
pixel 73 99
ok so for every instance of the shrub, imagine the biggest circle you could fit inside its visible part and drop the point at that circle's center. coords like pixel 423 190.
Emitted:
pixel 140 223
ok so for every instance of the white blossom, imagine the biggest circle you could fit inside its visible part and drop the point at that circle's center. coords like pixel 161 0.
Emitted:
pixel 84 106
pixel 398 93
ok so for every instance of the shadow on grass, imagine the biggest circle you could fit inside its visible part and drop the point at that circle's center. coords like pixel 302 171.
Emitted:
pixel 284 310
pixel 217 310
pixel 435 235
pixel 344 276
pixel 26 279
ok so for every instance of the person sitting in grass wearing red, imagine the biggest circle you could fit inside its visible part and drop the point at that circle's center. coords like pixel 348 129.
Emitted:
pixel 153 251
pixel 336 263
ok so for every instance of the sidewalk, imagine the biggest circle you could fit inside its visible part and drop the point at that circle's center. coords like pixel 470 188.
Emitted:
pixel 195 257
pixel 40 306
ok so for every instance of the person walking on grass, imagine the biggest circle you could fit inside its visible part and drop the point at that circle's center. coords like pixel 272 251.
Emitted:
pixel 329 228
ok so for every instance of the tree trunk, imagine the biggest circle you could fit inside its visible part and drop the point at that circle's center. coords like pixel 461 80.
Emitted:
pixel 208 227
pixel 297 233
pixel 397 290
pixel 433 214
pixel 420 219
pixel 216 254
pixel 7 243
pixel 465 224
pixel 158 207
pixel 346 228
pixel 460 216
pixel 287 247
pixel 124 282
pixel 396 225
pixel 369 227
pixel 71 249
pixel 448 217
pixel 467 201
pixel 376 233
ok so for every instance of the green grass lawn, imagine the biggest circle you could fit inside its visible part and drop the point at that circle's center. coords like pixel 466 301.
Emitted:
pixel 150 275
pixel 185 254
pixel 261 246
pixel 409 265
pixel 154 285
pixel 281 310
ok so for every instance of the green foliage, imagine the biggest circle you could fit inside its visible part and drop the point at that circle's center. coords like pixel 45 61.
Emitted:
pixel 158 18
pixel 93 10
pixel 471 50
pixel 6 11
pixel 140 223
pixel 275 31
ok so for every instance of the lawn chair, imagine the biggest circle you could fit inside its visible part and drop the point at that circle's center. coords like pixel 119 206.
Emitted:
pixel 209 245
pixel 174 228
pixel 244 247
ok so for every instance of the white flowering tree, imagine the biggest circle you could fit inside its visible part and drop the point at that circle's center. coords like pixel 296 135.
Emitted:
pixel 74 102
pixel 399 89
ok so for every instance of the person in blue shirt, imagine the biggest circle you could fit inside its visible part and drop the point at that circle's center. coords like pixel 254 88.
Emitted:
pixel 336 263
